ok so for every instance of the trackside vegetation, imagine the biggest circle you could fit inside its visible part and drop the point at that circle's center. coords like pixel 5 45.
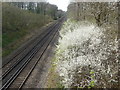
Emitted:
pixel 87 50
pixel 20 19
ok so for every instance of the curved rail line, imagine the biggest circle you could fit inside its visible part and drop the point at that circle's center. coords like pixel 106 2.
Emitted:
pixel 24 48
pixel 29 57
pixel 22 57
pixel 26 78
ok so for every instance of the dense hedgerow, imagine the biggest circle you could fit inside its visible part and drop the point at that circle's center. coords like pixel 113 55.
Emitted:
pixel 86 57
pixel 16 23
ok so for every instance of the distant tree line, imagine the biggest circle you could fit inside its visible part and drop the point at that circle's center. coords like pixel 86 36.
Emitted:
pixel 42 8
pixel 100 12
pixel 21 18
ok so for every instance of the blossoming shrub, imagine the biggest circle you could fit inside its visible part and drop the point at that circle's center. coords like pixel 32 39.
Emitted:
pixel 85 57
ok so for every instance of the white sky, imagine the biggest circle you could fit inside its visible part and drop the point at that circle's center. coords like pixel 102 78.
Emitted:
pixel 62 4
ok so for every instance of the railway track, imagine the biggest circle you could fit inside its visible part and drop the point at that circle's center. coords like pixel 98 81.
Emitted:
pixel 10 75
pixel 27 46
pixel 8 67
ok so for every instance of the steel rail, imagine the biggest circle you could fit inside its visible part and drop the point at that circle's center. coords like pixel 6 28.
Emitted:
pixel 26 78
pixel 18 71
pixel 25 47
pixel 22 57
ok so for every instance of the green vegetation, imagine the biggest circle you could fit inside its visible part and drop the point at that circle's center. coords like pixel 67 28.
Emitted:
pixel 16 24
pixel 92 82
pixel 53 79
pixel 20 19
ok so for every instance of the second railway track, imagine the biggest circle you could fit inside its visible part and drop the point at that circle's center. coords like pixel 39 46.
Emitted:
pixel 27 52
pixel 12 73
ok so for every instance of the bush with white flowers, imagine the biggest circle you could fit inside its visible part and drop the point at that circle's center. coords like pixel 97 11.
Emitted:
pixel 85 57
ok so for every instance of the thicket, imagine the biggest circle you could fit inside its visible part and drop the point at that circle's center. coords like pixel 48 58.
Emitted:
pixel 19 18
pixel 86 57
pixel 87 52
pixel 101 13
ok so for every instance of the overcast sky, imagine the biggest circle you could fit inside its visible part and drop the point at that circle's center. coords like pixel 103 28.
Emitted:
pixel 62 4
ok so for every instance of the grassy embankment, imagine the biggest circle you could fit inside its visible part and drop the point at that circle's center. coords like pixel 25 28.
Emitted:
pixel 17 25
pixel 53 78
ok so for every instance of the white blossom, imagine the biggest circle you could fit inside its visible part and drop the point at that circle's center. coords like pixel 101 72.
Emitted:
pixel 82 45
